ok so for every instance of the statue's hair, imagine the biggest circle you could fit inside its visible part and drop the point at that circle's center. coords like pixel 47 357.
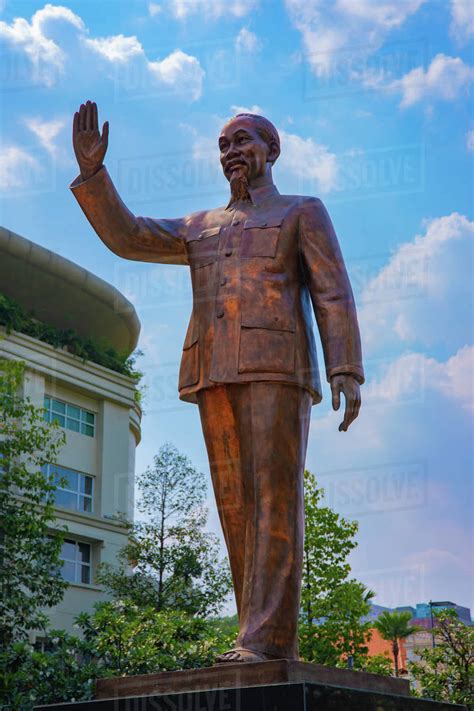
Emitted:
pixel 264 127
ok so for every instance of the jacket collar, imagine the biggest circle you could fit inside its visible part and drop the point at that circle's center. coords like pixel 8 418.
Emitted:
pixel 258 195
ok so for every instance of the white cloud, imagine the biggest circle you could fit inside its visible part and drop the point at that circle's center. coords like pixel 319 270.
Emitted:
pixel 254 109
pixel 407 374
pixel 308 160
pixel 154 9
pixel 327 28
pixel 455 379
pixel 212 9
pixel 446 78
pixel 205 149
pixel 414 296
pixel 462 20
pixel 180 70
pixel 46 131
pixel 470 141
pixel 15 166
pixel 247 41
pixel 382 14
pixel 45 54
pixel 404 466
pixel 116 48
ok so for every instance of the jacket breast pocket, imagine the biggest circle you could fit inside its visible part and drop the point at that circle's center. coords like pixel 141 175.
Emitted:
pixel 202 250
pixel 260 237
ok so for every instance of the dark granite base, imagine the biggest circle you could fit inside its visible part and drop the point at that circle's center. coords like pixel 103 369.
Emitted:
pixel 238 676
pixel 304 696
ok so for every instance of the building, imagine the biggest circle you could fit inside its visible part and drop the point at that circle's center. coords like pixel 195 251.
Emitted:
pixel 379 646
pixel 425 611
pixel 94 404
pixel 423 618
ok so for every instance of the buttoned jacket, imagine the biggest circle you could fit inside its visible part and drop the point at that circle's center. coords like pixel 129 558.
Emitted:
pixel 259 270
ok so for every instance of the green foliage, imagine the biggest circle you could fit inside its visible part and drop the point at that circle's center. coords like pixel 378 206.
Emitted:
pixel 125 639
pixel 175 561
pixel 15 318
pixel 29 677
pixel 394 626
pixel 29 562
pixel 446 672
pixel 332 604
pixel 228 625
pixel 377 664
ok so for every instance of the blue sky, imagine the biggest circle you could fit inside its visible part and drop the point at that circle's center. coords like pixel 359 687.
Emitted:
pixel 373 101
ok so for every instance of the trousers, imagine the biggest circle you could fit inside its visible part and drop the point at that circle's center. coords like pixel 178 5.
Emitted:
pixel 256 436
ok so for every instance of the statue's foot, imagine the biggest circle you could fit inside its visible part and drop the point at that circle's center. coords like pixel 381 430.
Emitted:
pixel 240 654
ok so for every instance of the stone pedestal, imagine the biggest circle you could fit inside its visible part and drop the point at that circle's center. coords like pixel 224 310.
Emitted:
pixel 264 686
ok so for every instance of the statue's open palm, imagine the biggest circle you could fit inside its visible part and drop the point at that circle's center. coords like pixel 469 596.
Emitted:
pixel 90 146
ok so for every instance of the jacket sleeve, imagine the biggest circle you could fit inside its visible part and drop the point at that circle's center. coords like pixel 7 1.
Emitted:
pixel 139 238
pixel 330 291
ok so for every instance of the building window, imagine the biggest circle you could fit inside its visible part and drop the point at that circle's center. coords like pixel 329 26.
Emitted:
pixel 76 558
pixel 43 644
pixel 74 490
pixel 69 416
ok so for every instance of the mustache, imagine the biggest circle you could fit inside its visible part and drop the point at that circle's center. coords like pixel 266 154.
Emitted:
pixel 235 162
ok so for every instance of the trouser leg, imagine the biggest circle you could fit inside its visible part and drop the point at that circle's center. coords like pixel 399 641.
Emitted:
pixel 221 435
pixel 265 531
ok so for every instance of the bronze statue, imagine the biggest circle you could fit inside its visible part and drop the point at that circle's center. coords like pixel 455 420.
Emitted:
pixel 249 356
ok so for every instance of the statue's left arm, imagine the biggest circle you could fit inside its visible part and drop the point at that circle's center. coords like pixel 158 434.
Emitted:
pixel 334 307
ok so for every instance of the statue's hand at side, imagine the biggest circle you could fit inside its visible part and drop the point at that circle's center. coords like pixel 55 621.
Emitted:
pixel 348 385
pixel 90 146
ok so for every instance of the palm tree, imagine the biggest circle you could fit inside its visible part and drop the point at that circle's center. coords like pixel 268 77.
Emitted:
pixel 394 626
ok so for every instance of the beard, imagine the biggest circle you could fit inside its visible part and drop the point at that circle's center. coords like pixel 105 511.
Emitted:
pixel 239 187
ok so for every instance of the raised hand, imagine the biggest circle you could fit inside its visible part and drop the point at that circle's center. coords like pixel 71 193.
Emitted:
pixel 89 146
pixel 348 385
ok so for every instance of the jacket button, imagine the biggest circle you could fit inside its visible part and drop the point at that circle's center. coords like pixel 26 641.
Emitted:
pixel 223 281
pixel 220 313
pixel 228 253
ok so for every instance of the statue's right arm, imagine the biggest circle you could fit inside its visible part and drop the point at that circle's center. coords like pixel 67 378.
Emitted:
pixel 139 238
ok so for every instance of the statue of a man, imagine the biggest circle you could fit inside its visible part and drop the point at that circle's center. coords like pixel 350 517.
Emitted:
pixel 249 356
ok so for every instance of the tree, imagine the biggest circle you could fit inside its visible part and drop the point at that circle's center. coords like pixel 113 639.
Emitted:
pixel 125 639
pixel 394 626
pixel 175 561
pixel 61 672
pixel 378 664
pixel 332 605
pixel 446 672
pixel 30 564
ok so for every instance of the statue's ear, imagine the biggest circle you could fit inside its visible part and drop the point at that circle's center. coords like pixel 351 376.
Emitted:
pixel 274 152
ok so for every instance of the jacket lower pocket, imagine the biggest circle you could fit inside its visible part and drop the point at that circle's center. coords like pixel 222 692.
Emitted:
pixel 189 368
pixel 264 350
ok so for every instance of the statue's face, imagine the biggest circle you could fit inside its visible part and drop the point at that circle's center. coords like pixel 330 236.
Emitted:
pixel 242 149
